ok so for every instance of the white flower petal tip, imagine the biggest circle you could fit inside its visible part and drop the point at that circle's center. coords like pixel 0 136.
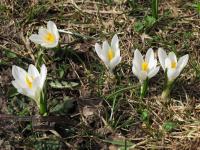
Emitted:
pixel 109 53
pixel 46 37
pixel 144 68
pixel 29 83
pixel 171 64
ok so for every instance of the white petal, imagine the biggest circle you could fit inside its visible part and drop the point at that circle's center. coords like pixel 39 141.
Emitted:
pixel 162 55
pixel 168 63
pixel 51 26
pixel 105 48
pixel 18 73
pixel 43 75
pixel 143 75
pixel 138 59
pixel 36 39
pixel 136 71
pixel 115 41
pixel 47 45
pixel 16 85
pixel 172 57
pixel 115 45
pixel 172 74
pixel 32 71
pixel 149 58
pixel 149 55
pixel 182 62
pixel 99 51
pixel 153 72
pixel 114 62
pixel 36 84
pixel 42 32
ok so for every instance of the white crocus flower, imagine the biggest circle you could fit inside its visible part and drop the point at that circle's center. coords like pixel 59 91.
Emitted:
pixel 109 54
pixel 170 64
pixel 29 83
pixel 46 37
pixel 145 68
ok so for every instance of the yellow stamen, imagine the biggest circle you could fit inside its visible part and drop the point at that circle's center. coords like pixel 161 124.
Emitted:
pixel 111 54
pixel 29 81
pixel 173 64
pixel 145 66
pixel 49 37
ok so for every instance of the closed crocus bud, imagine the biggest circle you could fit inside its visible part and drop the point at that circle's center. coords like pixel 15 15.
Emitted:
pixel 30 83
pixel 144 68
pixel 46 37
pixel 172 68
pixel 109 54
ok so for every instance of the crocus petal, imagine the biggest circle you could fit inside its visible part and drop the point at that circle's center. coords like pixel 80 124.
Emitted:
pixel 149 58
pixel 42 32
pixel 162 55
pixel 142 75
pixel 47 45
pixel 114 62
pixel 32 71
pixel 18 73
pixel 15 84
pixel 115 41
pixel 167 63
pixel 172 57
pixel 99 51
pixel 138 59
pixel 51 26
pixel 182 62
pixel 115 45
pixel 36 39
pixel 105 48
pixel 36 83
pixel 172 74
pixel 43 75
pixel 135 71
pixel 153 72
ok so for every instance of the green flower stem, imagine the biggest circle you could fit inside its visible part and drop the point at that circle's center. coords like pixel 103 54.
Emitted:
pixel 43 105
pixel 167 90
pixel 143 88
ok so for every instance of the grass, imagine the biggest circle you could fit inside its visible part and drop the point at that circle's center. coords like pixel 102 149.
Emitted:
pixel 134 123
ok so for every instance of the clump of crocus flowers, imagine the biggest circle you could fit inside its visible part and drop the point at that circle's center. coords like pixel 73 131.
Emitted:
pixel 31 83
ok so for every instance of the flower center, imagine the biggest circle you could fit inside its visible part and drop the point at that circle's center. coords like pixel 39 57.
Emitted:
pixel 173 64
pixel 111 54
pixel 29 81
pixel 145 66
pixel 49 37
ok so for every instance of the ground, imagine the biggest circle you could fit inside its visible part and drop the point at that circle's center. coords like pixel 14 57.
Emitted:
pixel 81 95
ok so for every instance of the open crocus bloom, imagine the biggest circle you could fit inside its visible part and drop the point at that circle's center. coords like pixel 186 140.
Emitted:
pixel 144 68
pixel 170 64
pixel 29 83
pixel 109 54
pixel 46 37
